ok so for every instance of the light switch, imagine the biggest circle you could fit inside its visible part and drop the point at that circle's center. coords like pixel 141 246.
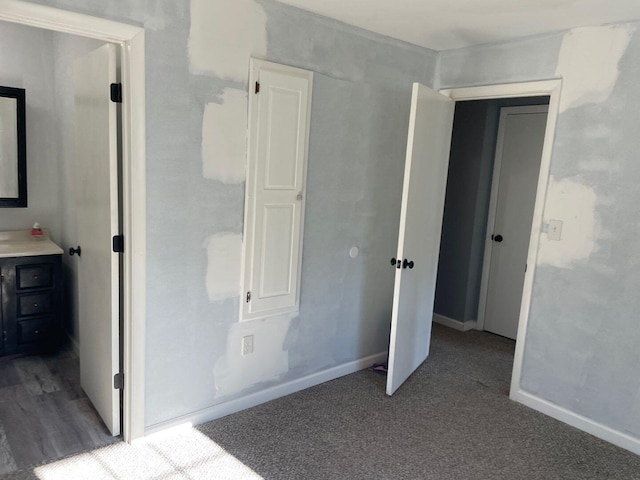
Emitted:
pixel 554 232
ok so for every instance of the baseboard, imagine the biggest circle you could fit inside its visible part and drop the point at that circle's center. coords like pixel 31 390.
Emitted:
pixel 618 438
pixel 233 406
pixel 455 324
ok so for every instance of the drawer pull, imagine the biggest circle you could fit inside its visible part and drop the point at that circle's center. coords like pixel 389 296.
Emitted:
pixel 35 305
pixel 35 277
pixel 37 332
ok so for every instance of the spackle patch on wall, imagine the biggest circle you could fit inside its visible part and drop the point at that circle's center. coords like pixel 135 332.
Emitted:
pixel 235 372
pixel 224 139
pixel 224 34
pixel 224 252
pixel 574 204
pixel 588 63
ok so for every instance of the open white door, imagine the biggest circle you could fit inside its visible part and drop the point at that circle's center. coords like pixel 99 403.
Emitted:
pixel 96 185
pixel 425 180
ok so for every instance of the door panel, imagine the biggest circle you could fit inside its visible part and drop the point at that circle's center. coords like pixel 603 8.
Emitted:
pixel 423 196
pixel 518 154
pixel 279 132
pixel 96 186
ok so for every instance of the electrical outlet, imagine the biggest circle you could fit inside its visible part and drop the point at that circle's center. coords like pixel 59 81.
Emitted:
pixel 247 345
pixel 554 230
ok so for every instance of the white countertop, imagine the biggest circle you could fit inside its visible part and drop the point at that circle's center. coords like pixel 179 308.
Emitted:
pixel 19 243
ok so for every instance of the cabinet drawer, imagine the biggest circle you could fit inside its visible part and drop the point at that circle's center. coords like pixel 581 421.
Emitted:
pixel 35 304
pixel 34 276
pixel 34 331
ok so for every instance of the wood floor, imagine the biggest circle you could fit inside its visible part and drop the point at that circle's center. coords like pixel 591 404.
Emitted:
pixel 44 414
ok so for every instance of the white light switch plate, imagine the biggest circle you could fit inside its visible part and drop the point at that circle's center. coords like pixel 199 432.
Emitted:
pixel 554 232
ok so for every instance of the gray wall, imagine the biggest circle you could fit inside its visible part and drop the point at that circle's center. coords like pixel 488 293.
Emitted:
pixel 26 62
pixel 582 339
pixel 359 122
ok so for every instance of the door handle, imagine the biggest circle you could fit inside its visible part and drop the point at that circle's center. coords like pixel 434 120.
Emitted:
pixel 75 251
pixel 407 263
pixel 497 238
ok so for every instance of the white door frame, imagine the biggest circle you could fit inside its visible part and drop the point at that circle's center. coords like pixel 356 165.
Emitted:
pixel 131 41
pixel 491 219
pixel 552 89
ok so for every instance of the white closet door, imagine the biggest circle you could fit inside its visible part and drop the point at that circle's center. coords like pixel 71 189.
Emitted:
pixel 96 186
pixel 425 180
pixel 279 131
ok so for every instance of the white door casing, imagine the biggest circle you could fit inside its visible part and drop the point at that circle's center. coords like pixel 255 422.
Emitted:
pixel 423 195
pixel 520 139
pixel 279 119
pixel 96 184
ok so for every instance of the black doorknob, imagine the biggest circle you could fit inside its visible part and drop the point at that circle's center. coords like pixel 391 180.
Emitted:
pixel 393 262
pixel 407 263
pixel 75 251
pixel 498 238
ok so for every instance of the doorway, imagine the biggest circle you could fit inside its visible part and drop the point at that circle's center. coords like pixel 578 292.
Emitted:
pixel 428 147
pixel 494 163
pixel 130 42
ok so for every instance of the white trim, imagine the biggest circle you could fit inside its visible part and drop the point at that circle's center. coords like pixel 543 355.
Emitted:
pixel 493 205
pixel 551 88
pixel 621 439
pixel 455 324
pixel 242 403
pixel 132 42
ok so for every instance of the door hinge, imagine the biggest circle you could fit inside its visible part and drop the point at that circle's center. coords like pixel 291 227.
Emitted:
pixel 118 381
pixel 248 297
pixel 116 92
pixel 257 87
pixel 118 243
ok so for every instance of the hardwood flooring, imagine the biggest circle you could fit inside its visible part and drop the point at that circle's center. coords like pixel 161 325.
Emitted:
pixel 44 414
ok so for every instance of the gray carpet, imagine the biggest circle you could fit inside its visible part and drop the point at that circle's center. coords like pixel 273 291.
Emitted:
pixel 452 420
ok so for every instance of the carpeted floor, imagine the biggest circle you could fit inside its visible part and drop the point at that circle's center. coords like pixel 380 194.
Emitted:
pixel 452 420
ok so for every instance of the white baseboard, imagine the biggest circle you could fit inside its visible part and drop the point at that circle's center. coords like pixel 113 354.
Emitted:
pixel 455 324
pixel 621 439
pixel 233 406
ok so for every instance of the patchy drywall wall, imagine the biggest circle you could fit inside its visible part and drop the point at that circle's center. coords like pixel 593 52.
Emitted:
pixel 574 204
pixel 224 138
pixel 269 360
pixel 588 63
pixel 581 345
pixel 223 35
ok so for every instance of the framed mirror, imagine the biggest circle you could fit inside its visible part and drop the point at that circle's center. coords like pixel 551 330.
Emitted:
pixel 13 148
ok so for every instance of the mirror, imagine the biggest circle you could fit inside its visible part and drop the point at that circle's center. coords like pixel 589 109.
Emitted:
pixel 13 148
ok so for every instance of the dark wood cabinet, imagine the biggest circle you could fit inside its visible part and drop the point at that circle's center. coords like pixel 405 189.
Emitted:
pixel 31 293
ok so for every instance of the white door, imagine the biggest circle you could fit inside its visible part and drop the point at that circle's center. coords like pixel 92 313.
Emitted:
pixel 279 130
pixel 516 169
pixel 96 185
pixel 425 180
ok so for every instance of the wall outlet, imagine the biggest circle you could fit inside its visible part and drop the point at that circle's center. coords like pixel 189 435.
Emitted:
pixel 554 231
pixel 247 345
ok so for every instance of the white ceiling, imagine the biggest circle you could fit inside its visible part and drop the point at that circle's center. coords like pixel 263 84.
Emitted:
pixel 447 24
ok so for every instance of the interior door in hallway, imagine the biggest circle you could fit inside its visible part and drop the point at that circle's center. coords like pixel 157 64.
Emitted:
pixel 517 166
pixel 97 205
pixel 416 262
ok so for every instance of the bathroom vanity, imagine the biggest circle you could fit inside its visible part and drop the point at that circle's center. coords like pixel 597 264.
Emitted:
pixel 31 293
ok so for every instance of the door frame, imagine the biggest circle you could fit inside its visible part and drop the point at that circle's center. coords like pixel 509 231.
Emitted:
pixel 552 89
pixel 493 207
pixel 131 40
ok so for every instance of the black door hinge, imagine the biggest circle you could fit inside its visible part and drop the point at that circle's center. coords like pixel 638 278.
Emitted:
pixel 116 92
pixel 118 243
pixel 118 381
pixel 257 87
pixel 248 297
